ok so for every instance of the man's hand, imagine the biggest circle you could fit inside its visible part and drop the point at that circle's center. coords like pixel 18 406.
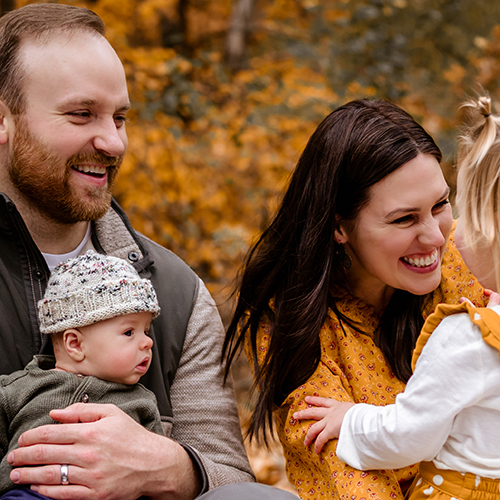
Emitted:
pixel 329 414
pixel 109 455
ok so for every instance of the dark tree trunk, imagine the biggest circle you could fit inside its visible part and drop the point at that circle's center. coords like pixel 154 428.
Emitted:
pixel 182 8
pixel 6 5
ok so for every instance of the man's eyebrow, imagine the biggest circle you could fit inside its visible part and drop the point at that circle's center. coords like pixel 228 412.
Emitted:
pixel 125 107
pixel 78 102
pixel 408 210
pixel 89 102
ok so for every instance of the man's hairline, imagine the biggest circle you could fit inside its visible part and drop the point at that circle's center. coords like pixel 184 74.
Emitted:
pixel 41 39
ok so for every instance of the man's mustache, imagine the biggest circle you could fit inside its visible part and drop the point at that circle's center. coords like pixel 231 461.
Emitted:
pixel 96 157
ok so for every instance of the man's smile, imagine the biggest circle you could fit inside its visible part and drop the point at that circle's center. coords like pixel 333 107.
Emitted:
pixel 94 170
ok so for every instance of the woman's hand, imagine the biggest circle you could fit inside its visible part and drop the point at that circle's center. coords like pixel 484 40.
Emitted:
pixel 109 455
pixel 329 414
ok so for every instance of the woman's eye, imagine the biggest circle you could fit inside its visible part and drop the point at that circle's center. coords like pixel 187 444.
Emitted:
pixel 403 220
pixel 441 204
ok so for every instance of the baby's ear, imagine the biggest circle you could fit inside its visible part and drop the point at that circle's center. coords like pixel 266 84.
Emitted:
pixel 72 340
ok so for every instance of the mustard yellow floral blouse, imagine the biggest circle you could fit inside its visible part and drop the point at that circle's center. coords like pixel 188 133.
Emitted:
pixel 352 368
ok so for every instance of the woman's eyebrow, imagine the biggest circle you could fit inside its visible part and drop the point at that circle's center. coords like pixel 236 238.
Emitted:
pixel 405 210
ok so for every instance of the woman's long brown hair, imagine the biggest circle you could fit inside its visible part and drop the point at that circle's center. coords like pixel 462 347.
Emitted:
pixel 296 259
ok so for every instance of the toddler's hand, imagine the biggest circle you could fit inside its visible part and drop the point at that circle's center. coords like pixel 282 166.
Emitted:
pixel 494 298
pixel 329 414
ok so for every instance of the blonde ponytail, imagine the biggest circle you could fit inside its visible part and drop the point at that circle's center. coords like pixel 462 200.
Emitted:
pixel 478 195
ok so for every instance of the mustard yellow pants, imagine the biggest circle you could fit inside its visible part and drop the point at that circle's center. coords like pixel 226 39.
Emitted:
pixel 432 483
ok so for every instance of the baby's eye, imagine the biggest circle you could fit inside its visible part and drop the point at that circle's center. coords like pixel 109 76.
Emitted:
pixel 129 333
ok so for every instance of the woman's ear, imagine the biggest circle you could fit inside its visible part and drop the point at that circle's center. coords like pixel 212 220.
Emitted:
pixel 72 341
pixel 5 123
pixel 340 234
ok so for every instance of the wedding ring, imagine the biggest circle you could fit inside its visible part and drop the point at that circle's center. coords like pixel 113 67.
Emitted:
pixel 64 474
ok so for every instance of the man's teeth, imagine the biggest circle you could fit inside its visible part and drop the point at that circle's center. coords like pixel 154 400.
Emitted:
pixel 423 261
pixel 91 169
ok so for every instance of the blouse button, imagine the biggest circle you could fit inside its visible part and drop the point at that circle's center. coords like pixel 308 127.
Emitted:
pixel 85 398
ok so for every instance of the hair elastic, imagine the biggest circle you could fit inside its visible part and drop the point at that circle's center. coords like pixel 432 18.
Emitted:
pixel 486 116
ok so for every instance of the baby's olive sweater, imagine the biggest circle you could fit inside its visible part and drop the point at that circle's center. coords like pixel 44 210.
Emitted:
pixel 27 396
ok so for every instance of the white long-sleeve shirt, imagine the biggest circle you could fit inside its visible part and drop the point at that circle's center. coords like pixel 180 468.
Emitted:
pixel 448 414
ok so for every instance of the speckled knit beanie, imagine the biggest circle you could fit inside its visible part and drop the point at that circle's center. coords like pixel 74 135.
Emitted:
pixel 91 288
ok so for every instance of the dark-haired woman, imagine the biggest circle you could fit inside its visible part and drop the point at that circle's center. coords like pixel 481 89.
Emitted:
pixel 335 291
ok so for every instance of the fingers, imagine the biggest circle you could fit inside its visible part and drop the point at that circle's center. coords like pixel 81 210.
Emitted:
pixel 320 406
pixel 47 475
pixel 329 418
pixel 46 480
pixel 69 492
pixel 319 401
pixel 54 434
pixel 321 440
pixel 41 454
pixel 67 434
pixel 313 431
pixel 310 414
pixel 83 412
pixel 494 298
pixel 320 410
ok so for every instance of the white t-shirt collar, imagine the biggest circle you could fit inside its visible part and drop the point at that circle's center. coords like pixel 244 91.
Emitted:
pixel 54 259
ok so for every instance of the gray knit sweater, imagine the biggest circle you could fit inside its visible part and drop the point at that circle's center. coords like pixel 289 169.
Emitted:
pixel 27 396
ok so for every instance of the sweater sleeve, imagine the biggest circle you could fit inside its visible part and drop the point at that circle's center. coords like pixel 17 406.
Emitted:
pixel 448 377
pixel 209 424
pixel 327 474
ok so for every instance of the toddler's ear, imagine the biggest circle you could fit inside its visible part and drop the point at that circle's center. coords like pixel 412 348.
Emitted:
pixel 72 340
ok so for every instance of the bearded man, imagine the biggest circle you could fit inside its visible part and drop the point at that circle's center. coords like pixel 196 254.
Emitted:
pixel 63 105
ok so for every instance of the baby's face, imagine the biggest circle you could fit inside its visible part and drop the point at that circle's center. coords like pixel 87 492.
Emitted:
pixel 118 349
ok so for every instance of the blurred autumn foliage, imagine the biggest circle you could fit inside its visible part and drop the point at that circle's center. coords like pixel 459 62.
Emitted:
pixel 226 93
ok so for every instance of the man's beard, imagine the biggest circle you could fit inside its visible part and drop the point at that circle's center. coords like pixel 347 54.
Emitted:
pixel 43 178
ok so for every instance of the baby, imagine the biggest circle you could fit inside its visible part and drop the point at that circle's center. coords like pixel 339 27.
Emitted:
pixel 98 312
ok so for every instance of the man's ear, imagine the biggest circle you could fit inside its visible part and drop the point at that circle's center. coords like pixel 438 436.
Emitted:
pixel 5 123
pixel 72 341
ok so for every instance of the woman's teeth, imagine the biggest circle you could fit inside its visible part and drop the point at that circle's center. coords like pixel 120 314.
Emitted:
pixel 423 261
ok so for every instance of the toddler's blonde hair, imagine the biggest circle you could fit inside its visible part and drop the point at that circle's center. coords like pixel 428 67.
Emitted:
pixel 478 164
